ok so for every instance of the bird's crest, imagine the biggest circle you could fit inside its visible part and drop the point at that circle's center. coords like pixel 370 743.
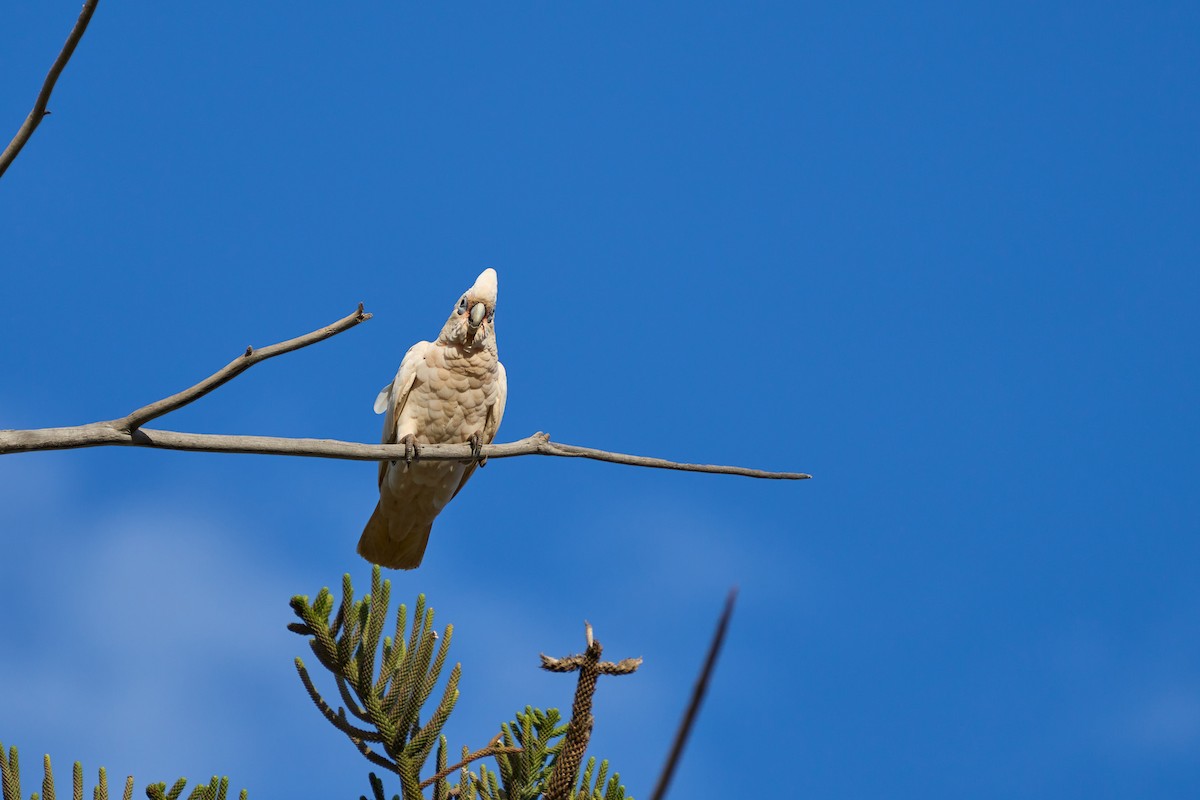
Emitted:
pixel 485 287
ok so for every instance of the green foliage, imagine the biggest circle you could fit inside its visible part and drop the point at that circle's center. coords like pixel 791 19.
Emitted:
pixel 10 780
pixel 385 689
pixel 384 682
pixel 525 775
pixel 597 789
pixel 377 792
pixel 215 789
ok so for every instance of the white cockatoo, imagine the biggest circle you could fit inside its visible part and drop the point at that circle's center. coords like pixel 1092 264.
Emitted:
pixel 446 392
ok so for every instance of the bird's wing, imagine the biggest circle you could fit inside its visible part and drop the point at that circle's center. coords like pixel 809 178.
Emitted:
pixel 497 412
pixel 391 398
pixel 491 424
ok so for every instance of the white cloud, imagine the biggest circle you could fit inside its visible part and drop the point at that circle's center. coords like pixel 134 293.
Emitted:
pixel 136 625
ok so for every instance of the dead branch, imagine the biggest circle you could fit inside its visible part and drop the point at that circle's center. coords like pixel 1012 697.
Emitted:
pixel 579 727
pixel 470 757
pixel 698 691
pixel 128 431
pixel 39 107
pixel 236 367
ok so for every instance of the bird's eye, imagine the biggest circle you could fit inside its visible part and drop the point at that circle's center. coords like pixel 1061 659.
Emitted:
pixel 462 306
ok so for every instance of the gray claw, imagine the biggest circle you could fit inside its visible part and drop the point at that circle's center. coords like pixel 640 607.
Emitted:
pixel 476 442
pixel 410 448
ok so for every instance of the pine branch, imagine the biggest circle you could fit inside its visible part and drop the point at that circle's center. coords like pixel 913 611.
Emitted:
pixel 385 678
pixel 10 773
pixel 348 699
pixel 10 782
pixel 603 787
pixel 375 758
pixel 524 776
pixel 336 718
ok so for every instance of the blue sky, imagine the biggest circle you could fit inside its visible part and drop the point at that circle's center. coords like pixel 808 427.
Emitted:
pixel 942 256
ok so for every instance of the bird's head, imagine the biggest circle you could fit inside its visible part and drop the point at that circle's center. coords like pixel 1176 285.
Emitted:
pixel 471 324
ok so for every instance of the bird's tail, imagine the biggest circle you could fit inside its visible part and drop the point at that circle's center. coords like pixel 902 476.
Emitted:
pixel 404 550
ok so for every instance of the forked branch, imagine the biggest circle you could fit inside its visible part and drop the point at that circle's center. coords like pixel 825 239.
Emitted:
pixel 128 431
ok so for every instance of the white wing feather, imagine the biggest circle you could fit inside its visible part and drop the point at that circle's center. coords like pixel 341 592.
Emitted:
pixel 391 398
pixel 501 399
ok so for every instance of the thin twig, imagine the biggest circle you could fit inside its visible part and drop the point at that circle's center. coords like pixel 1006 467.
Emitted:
pixel 128 431
pixel 39 107
pixel 236 367
pixel 478 754
pixel 689 716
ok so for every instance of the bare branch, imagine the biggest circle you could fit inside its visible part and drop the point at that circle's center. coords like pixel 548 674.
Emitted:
pixel 39 107
pixel 128 431
pixel 689 716
pixel 236 367
pixel 478 754
pixel 99 434
pixel 545 447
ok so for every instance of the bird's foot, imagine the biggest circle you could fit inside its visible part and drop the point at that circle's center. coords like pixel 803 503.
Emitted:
pixel 476 442
pixel 411 453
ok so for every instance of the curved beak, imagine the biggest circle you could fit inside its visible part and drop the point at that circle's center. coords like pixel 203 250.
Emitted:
pixel 478 311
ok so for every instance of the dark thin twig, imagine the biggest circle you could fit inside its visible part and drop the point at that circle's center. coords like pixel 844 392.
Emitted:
pixel 689 716
pixel 478 754
pixel 39 107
